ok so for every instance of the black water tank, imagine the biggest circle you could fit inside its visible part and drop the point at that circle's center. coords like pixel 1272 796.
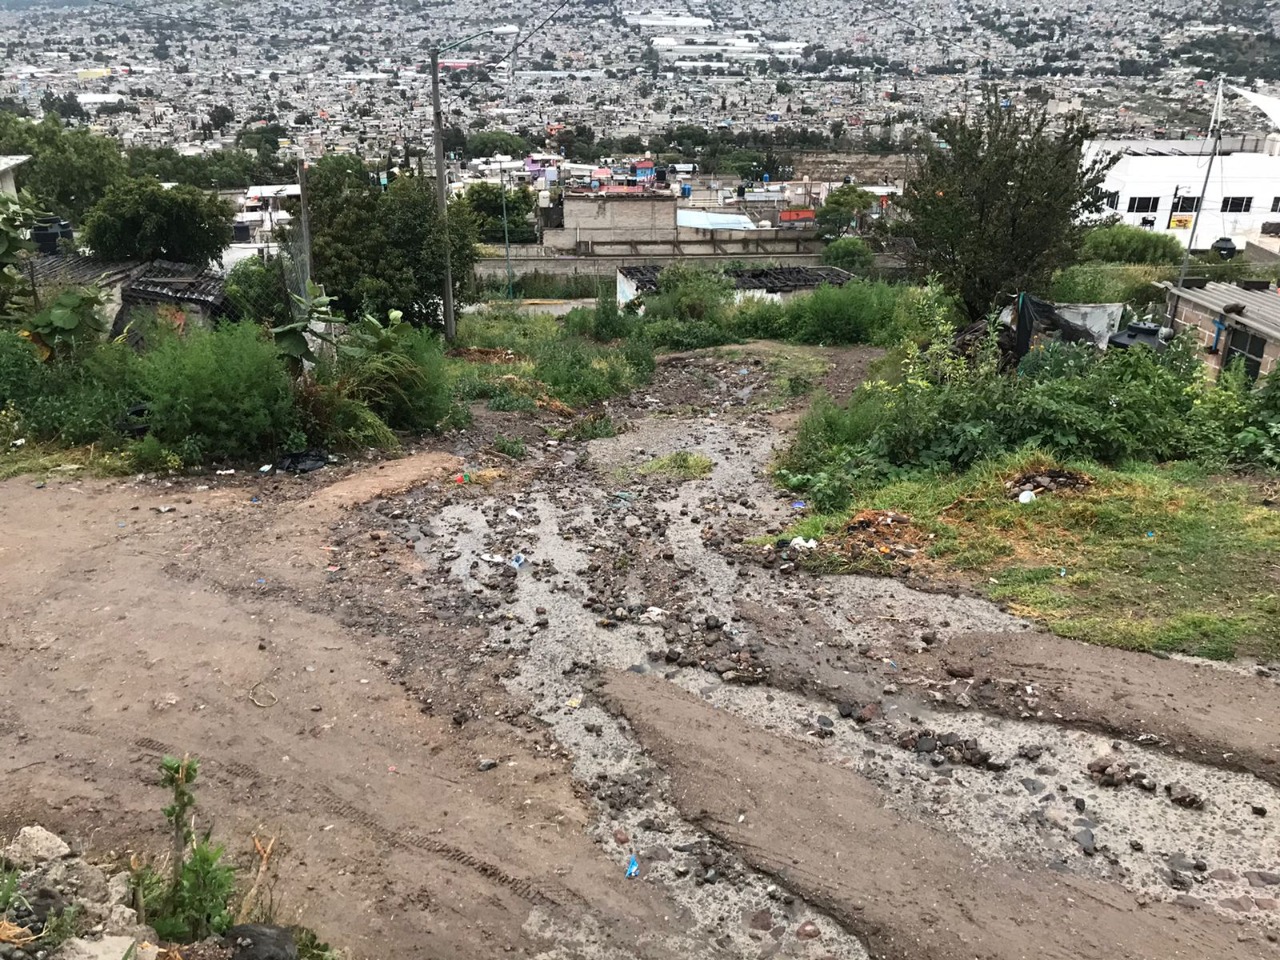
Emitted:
pixel 48 231
pixel 240 233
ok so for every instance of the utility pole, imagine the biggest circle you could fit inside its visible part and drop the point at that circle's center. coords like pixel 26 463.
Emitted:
pixel 304 223
pixel 442 196
pixel 506 232
pixel 1215 123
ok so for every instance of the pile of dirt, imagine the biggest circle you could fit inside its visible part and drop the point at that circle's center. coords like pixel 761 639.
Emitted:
pixel 493 355
pixel 1049 480
pixel 884 535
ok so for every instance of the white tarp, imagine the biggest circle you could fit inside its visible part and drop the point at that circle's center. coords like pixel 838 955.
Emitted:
pixel 1268 105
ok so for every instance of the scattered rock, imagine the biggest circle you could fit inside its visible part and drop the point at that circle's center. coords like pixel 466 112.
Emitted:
pixel 486 764
pixel 1257 809
pixel 1085 839
pixel 1239 904
pixel 1031 751
pixel 35 845
pixel 761 920
pixel 1262 878
pixel 1184 796
pixel 258 941
pixel 808 931
pixel 868 713
pixel 961 671
pixel 110 948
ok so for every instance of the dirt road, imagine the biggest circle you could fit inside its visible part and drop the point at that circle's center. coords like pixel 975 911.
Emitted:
pixel 401 677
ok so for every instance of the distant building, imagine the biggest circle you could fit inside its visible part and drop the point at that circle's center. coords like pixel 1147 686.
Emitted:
pixel 1157 184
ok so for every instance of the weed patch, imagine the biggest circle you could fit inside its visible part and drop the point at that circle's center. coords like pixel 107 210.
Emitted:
pixel 681 465
pixel 1145 558
pixel 512 447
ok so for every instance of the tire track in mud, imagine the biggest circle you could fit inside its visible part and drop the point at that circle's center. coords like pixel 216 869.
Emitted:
pixel 231 773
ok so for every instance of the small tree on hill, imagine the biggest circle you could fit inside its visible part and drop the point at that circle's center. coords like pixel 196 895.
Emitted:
pixel 142 220
pixel 997 209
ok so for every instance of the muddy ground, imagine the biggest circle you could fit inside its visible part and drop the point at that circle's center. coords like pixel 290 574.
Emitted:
pixel 463 708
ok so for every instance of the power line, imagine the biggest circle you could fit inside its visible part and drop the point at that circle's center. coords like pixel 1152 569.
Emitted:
pixel 518 44
pixel 163 16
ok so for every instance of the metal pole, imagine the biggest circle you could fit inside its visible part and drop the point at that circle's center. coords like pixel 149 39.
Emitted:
pixel 1216 119
pixel 304 223
pixel 442 196
pixel 506 235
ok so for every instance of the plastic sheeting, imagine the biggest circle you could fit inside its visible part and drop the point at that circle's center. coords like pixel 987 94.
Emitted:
pixel 1030 316
pixel 1268 105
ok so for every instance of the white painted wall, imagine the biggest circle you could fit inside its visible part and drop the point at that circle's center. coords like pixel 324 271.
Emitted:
pixel 1254 175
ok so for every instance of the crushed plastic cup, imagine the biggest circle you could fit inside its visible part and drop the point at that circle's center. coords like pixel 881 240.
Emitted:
pixel 513 513
pixel 1026 496
pixel 633 868
pixel 517 561
pixel 800 543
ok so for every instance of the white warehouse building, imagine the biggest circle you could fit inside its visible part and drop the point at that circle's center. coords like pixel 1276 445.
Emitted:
pixel 1157 184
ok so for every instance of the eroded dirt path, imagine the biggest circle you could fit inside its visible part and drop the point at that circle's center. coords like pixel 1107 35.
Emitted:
pixel 800 766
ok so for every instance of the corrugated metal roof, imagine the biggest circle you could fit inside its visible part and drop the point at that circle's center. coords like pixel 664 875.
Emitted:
pixel 167 282
pixel 1261 307
pixel 71 269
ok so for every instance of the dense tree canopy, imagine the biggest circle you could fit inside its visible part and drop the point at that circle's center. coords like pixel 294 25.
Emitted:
pixel 485 201
pixel 997 208
pixel 381 250
pixel 493 142
pixel 69 170
pixel 142 220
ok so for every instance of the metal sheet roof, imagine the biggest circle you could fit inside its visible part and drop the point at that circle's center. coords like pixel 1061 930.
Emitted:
pixel 1261 307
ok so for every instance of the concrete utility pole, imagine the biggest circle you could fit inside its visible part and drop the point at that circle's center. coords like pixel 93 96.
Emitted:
pixel 442 196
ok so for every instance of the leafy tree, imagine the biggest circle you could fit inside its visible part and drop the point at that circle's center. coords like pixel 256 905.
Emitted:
pixel 1121 243
pixel 142 220
pixel 841 209
pixel 485 201
pixel 15 106
pixel 784 87
pixel 69 170
pixel 220 116
pixel 997 209
pixel 263 140
pixel 493 142
pixel 65 107
pixel 377 251
pixel 849 253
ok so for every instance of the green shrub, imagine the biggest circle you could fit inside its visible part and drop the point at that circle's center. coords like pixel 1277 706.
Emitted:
pixel 512 447
pixel 849 253
pixel 690 310
pixel 862 311
pixel 78 398
pixel 947 413
pixel 1121 243
pixel 201 904
pixel 1108 283
pixel 220 394
pixel 395 369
